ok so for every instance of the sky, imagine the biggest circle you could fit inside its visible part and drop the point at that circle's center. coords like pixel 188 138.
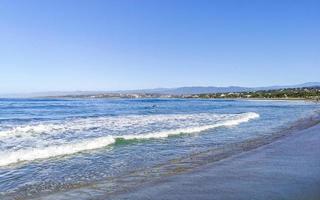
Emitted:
pixel 68 45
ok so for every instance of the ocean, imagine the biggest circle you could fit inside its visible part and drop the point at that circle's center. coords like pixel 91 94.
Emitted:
pixel 91 147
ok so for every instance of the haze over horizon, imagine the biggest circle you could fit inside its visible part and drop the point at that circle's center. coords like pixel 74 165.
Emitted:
pixel 186 90
pixel 123 45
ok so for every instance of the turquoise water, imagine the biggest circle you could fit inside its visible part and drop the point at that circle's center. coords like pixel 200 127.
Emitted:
pixel 50 145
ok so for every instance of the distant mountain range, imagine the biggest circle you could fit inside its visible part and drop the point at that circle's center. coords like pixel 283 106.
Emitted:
pixel 170 91
pixel 203 90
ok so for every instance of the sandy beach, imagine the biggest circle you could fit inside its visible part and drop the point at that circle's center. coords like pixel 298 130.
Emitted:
pixel 288 168
pixel 283 166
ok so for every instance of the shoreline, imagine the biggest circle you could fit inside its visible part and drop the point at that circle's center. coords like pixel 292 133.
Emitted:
pixel 258 99
pixel 165 98
pixel 288 168
pixel 180 167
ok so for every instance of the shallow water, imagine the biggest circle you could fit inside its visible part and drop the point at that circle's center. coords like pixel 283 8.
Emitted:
pixel 49 145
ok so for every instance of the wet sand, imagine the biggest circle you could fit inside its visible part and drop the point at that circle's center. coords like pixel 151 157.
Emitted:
pixel 285 165
pixel 288 168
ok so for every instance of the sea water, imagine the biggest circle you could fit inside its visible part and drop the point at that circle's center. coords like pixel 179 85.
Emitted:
pixel 55 145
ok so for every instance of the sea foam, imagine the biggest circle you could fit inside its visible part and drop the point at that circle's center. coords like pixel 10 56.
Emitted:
pixel 7 158
pixel 193 123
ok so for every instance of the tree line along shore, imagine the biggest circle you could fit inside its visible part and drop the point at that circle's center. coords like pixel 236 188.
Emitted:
pixel 305 93
pixel 310 93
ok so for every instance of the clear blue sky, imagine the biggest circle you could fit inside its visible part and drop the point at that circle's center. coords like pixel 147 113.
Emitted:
pixel 128 44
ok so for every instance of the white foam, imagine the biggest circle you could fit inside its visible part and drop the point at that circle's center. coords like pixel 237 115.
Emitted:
pixel 131 123
pixel 34 153
pixel 7 158
pixel 163 134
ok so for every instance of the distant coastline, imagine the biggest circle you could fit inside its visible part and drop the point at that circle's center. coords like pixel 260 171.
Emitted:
pixel 305 93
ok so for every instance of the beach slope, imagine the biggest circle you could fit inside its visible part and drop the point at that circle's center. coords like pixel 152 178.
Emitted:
pixel 285 169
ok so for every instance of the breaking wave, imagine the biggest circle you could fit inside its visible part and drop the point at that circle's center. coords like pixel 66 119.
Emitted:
pixel 130 127
pixel 53 151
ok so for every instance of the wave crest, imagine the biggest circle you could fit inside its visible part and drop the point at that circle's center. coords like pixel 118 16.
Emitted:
pixel 34 153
